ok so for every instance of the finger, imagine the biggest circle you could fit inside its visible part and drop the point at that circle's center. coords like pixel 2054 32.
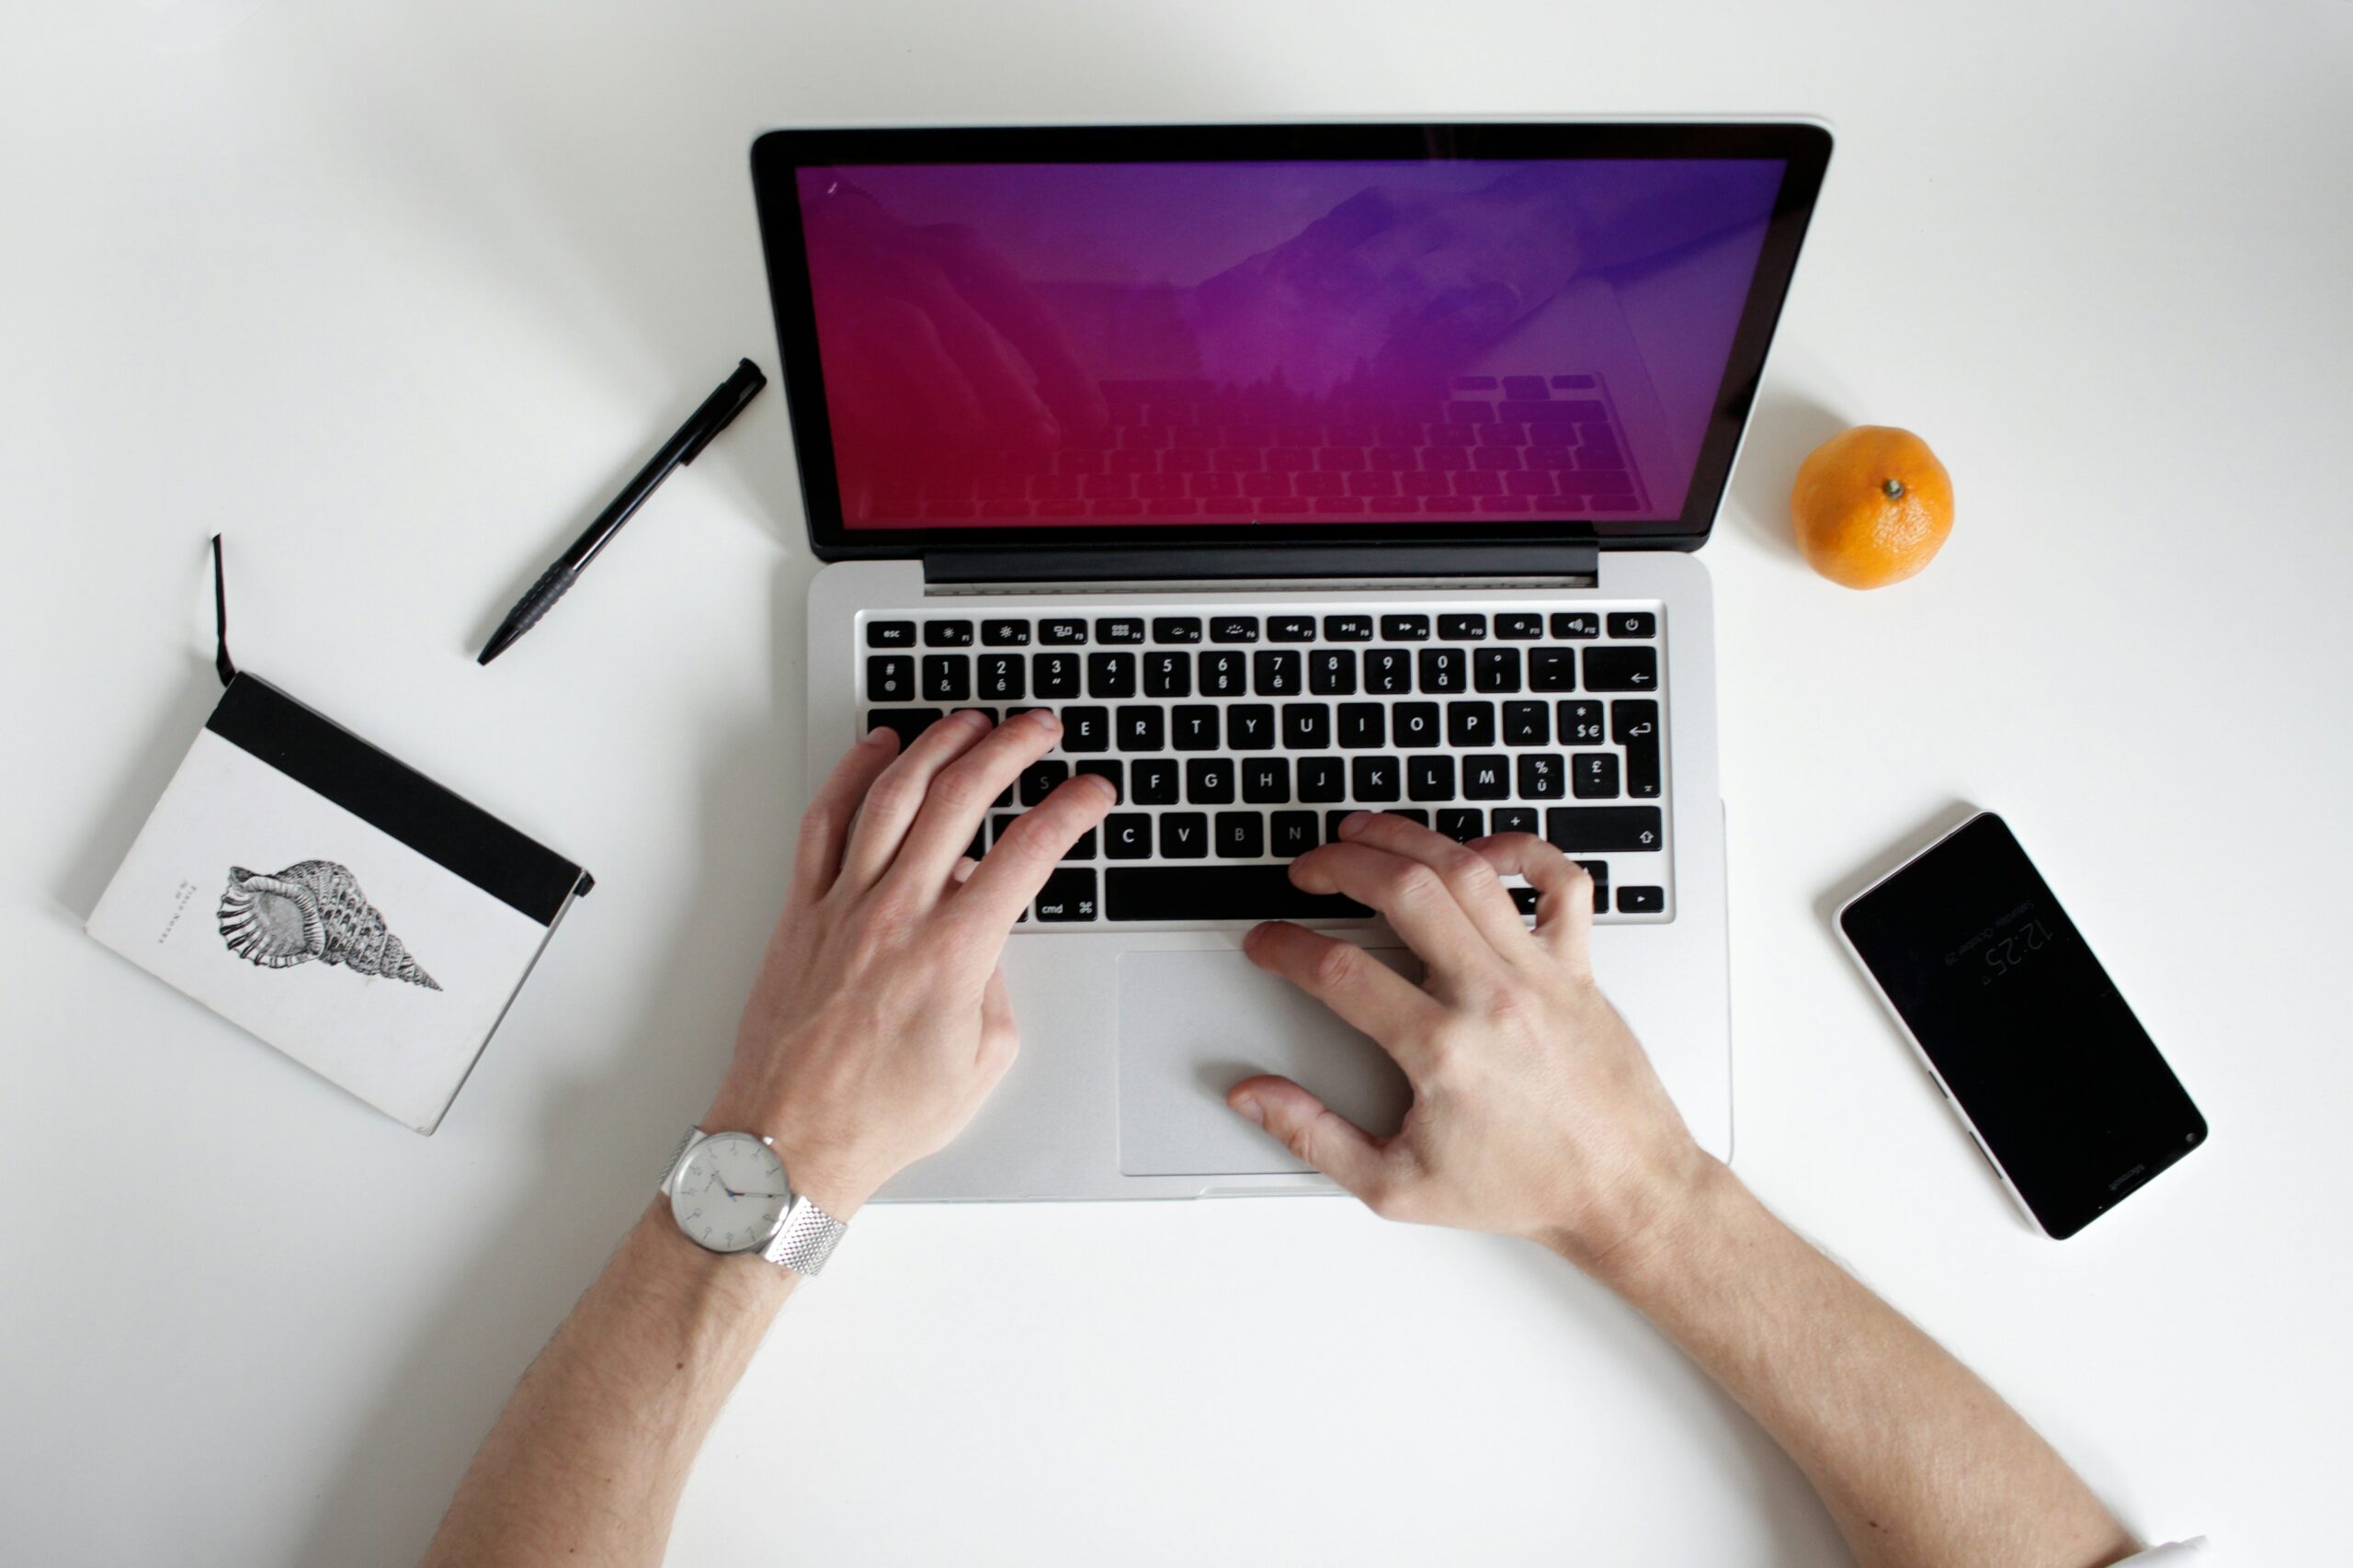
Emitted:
pixel 1414 899
pixel 960 796
pixel 1563 889
pixel 1312 1131
pixel 895 797
pixel 824 826
pixel 1366 993
pixel 1469 876
pixel 1000 1042
pixel 1026 853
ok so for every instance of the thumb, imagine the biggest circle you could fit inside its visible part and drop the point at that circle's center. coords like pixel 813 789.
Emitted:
pixel 1309 1128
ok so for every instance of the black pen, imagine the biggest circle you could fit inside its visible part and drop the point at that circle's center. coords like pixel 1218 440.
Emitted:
pixel 707 420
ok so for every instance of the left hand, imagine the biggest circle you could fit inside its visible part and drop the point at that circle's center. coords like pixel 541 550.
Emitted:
pixel 879 1021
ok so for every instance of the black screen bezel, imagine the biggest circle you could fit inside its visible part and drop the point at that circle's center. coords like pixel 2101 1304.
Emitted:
pixel 2060 1212
pixel 1803 145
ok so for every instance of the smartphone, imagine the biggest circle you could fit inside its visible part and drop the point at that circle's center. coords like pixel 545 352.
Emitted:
pixel 2063 1091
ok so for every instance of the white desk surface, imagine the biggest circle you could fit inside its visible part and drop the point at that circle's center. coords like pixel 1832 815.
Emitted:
pixel 396 293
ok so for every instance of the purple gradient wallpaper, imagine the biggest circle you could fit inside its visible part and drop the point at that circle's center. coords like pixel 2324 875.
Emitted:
pixel 1040 344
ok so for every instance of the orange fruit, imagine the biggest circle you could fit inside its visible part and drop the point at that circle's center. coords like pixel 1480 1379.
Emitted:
pixel 1872 506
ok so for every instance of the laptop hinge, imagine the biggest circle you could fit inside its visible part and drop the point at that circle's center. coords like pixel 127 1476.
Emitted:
pixel 1163 568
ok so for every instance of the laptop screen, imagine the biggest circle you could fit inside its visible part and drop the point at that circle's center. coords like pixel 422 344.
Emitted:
pixel 1449 342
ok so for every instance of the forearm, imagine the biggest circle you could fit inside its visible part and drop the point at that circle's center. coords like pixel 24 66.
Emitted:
pixel 1917 1460
pixel 585 1464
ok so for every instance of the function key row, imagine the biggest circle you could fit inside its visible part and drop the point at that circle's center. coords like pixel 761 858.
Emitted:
pixel 1062 632
pixel 1263 671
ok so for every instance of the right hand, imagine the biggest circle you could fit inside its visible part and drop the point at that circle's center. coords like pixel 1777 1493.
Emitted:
pixel 1535 1111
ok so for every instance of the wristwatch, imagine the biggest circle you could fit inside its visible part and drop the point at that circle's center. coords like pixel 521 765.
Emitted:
pixel 729 1193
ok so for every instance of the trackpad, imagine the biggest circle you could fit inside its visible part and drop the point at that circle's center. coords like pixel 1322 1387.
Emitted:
pixel 1194 1024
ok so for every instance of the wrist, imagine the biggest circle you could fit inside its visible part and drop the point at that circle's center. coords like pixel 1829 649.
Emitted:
pixel 1660 1228
pixel 819 1168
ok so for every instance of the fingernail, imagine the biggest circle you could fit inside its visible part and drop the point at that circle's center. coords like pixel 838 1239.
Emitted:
pixel 1250 1108
pixel 1111 791
pixel 1353 823
pixel 974 717
pixel 1044 719
pixel 874 735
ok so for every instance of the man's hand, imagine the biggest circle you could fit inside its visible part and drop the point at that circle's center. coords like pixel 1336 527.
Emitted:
pixel 879 1022
pixel 1535 1112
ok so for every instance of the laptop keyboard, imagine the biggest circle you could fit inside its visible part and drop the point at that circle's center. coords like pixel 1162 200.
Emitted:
pixel 1548 444
pixel 1238 741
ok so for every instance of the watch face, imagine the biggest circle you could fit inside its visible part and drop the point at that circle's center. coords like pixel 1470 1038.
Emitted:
pixel 731 1193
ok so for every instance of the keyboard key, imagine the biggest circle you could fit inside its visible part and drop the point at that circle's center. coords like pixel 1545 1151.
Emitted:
pixel 1515 819
pixel 1307 726
pixel 1527 724
pixel 1087 729
pixel 1265 780
pixel 1347 629
pixel 1127 835
pixel 1224 674
pixel 1234 628
pixel 1141 728
pixel 1152 781
pixel 1241 836
pixel 946 633
pixel 1592 828
pixel 1596 775
pixel 1005 634
pixel 1322 779
pixel 1167 674
pixel 1001 676
pixel 1054 675
pixel 1125 630
pixel 1111 676
pixel 1598 869
pixel 1217 892
pixel 1642 901
pixel 1633 623
pixel 1429 776
pixel 947 677
pixel 1250 726
pixel 1525 627
pixel 1573 626
pixel 1463 628
pixel 1414 723
pixel 1082 847
pixel 1462 824
pixel 1621 670
pixel 1001 823
pixel 1552 669
pixel 1373 779
pixel 1292 835
pixel 1332 820
pixel 1290 629
pixel 1445 670
pixel 1361 726
pixel 909 722
pixel 1038 780
pixel 1540 778
pixel 1274 673
pixel 1332 672
pixel 1062 634
pixel 1581 724
pixel 1487 777
pixel 1184 835
pixel 1104 768
pixel 1193 726
pixel 1388 671
pixel 1209 781
pixel 1413 814
pixel 1471 724
pixel 890 633
pixel 1495 669
pixel 890 679
pixel 1404 629
pixel 1633 723
pixel 1067 895
pixel 1177 628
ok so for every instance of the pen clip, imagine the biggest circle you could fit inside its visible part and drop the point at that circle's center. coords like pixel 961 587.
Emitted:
pixel 220 660
pixel 719 409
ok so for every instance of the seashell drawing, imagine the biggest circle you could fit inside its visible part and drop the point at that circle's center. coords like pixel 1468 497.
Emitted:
pixel 311 910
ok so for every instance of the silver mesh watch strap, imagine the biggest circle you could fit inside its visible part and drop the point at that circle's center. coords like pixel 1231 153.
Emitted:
pixel 805 1239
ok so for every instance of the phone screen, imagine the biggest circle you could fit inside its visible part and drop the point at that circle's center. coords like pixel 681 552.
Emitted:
pixel 2066 1091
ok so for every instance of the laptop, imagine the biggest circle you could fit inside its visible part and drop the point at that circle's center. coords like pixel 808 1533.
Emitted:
pixel 1300 469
